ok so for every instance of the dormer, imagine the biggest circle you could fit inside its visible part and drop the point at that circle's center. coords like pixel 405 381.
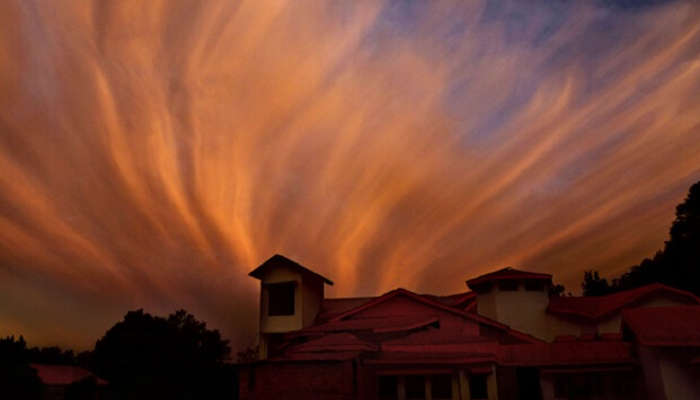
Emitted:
pixel 290 298
pixel 515 298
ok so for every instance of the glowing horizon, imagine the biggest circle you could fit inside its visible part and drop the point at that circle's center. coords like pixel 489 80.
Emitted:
pixel 152 154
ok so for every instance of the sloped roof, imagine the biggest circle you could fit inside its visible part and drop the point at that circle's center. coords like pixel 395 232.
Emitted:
pixel 278 260
pixel 566 353
pixel 437 305
pixel 427 358
pixel 407 293
pixel 334 342
pixel 333 307
pixel 420 348
pixel 458 300
pixel 63 374
pixel 507 273
pixel 595 307
pixel 376 324
pixel 665 326
pixel 316 356
pixel 437 337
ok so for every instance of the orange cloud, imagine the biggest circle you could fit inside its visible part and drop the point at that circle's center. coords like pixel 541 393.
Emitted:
pixel 152 153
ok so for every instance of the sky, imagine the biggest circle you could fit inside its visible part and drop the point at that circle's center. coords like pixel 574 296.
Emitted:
pixel 152 153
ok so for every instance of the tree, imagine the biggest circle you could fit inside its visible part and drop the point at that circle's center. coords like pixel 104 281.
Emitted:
pixel 557 290
pixel 177 357
pixel 594 285
pixel 17 379
pixel 677 265
pixel 84 389
pixel 682 252
pixel 248 355
pixel 51 355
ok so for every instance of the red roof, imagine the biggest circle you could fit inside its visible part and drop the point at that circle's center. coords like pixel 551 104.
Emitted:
pixel 566 353
pixel 278 260
pixel 63 374
pixel 335 342
pixel 507 273
pixel 375 324
pixel 333 307
pixel 438 305
pixel 474 347
pixel 595 307
pixel 318 356
pixel 459 300
pixel 665 326
pixel 425 358
pixel 437 337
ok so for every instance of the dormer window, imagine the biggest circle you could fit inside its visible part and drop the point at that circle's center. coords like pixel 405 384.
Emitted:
pixel 281 298
pixel 534 285
pixel 508 286
pixel 482 288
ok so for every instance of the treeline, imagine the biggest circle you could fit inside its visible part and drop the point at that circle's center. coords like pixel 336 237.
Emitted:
pixel 51 355
pixel 17 379
pixel 142 357
pixel 676 265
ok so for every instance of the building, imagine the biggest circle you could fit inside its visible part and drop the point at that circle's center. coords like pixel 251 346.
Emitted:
pixel 505 338
pixel 60 379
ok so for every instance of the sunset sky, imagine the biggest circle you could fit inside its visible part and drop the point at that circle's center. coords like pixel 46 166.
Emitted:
pixel 152 153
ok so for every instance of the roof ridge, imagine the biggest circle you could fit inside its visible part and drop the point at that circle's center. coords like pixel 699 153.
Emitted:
pixel 278 258
pixel 472 316
pixel 599 306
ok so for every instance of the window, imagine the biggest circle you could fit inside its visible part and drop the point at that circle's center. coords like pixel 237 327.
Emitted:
pixel 415 387
pixel 477 387
pixel 534 286
pixel 483 288
pixel 387 387
pixel 508 286
pixel 528 383
pixel 441 387
pixel 281 298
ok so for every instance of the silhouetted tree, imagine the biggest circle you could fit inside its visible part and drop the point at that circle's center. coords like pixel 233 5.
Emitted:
pixel 557 290
pixel 17 379
pixel 85 360
pixel 248 355
pixel 677 265
pixel 147 356
pixel 85 389
pixel 594 285
pixel 51 355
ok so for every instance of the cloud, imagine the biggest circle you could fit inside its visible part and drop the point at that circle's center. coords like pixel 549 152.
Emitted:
pixel 151 154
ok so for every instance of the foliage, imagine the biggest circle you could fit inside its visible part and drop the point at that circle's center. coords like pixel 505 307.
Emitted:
pixel 677 265
pixel 51 355
pixel 175 357
pixel 557 290
pixel 594 285
pixel 84 389
pixel 250 354
pixel 17 379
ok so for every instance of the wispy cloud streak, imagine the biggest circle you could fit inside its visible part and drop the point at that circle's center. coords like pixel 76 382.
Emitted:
pixel 151 153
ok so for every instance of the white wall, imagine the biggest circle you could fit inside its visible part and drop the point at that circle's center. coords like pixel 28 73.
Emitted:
pixel 525 311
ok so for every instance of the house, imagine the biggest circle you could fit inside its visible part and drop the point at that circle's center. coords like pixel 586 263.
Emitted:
pixel 58 379
pixel 504 338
